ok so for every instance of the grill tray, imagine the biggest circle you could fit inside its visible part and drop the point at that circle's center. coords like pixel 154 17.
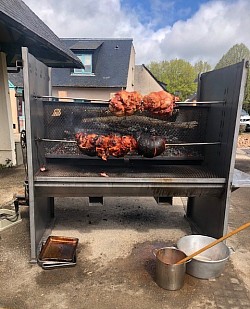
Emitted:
pixel 58 249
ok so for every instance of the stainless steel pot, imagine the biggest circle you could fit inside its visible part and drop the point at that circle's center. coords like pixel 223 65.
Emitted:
pixel 168 275
pixel 210 263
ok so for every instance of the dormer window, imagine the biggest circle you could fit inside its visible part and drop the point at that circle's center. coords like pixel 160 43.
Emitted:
pixel 86 59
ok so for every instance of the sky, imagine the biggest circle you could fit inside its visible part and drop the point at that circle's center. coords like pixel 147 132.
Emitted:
pixel 192 30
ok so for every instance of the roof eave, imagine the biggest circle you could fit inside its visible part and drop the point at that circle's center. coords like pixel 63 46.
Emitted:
pixel 43 50
pixel 152 75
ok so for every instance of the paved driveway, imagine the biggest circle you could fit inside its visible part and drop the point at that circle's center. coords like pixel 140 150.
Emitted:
pixel 115 265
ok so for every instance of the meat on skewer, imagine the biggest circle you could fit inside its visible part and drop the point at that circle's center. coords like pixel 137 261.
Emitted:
pixel 125 103
pixel 159 103
pixel 102 147
pixel 105 145
pixel 87 143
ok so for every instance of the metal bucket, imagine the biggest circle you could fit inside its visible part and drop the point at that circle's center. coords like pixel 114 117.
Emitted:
pixel 210 263
pixel 168 275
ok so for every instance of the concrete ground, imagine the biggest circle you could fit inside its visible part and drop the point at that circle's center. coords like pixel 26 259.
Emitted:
pixel 115 266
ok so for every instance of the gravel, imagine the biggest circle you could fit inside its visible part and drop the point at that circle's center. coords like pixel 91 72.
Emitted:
pixel 244 140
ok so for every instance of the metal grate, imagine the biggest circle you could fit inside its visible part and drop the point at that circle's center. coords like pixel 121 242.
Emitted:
pixel 131 171
pixel 63 119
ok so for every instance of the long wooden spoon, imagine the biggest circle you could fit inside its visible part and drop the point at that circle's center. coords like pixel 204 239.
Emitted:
pixel 242 227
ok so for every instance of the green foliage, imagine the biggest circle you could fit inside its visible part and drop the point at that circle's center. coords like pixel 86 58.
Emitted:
pixel 236 54
pixel 202 67
pixel 178 74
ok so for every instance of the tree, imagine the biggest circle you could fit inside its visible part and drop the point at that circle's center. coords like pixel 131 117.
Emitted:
pixel 236 54
pixel 178 74
pixel 158 69
pixel 202 67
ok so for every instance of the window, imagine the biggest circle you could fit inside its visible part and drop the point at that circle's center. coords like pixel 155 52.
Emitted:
pixel 86 59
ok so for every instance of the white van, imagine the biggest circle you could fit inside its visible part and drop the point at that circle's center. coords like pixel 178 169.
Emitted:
pixel 245 119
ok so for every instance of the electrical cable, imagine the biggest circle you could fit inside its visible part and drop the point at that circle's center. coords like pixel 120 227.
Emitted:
pixel 11 218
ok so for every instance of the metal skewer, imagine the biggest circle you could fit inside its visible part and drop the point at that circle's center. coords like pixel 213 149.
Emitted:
pixel 55 140
pixel 194 144
pixel 199 102
pixel 182 103
pixel 180 144
pixel 70 99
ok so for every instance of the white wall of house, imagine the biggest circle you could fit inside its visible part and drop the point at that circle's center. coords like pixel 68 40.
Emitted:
pixel 144 82
pixel 7 144
pixel 13 102
pixel 131 71
pixel 87 93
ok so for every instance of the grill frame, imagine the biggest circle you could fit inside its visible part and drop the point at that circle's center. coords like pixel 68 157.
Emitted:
pixel 208 197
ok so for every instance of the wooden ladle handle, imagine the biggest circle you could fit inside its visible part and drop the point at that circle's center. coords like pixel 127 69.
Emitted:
pixel 242 227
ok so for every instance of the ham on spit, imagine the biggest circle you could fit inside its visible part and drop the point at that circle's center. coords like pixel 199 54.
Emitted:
pixel 159 103
pixel 126 103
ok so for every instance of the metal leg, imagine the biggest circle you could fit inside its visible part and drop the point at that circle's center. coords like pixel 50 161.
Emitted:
pixel 207 215
pixel 41 215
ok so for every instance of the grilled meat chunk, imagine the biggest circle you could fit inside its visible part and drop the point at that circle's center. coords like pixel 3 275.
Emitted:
pixel 125 103
pixel 87 143
pixel 105 145
pixel 159 103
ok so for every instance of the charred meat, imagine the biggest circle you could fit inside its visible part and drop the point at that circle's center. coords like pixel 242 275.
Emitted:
pixel 150 146
pixel 106 145
pixel 125 103
pixel 87 143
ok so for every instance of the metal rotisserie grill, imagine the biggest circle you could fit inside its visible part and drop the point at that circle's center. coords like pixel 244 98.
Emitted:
pixel 198 161
pixel 184 132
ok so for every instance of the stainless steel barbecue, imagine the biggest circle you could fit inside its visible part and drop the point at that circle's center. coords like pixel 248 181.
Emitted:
pixel 198 161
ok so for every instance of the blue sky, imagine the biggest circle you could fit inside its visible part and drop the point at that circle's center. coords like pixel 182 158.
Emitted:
pixel 159 13
pixel 161 29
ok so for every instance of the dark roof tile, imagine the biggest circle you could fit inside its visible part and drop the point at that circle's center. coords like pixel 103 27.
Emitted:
pixel 111 64
pixel 89 45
